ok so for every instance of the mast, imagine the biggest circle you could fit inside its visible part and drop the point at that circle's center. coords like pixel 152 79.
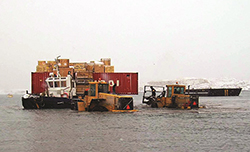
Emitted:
pixel 57 67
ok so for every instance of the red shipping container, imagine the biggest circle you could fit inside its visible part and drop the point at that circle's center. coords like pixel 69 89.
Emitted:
pixel 126 83
pixel 38 82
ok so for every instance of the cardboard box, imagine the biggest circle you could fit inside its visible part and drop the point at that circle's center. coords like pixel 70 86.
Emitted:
pixel 63 63
pixel 51 63
pixel 79 65
pixel 99 68
pixel 64 71
pixel 106 61
pixel 41 68
pixel 80 70
pixel 109 69
pixel 50 66
pixel 48 69
pixel 41 63
pixel 90 67
pixel 84 74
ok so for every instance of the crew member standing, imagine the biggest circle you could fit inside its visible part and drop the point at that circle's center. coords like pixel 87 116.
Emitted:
pixel 153 91
pixel 114 86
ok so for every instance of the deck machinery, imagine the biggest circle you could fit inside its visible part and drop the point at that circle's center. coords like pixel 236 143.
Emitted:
pixel 172 96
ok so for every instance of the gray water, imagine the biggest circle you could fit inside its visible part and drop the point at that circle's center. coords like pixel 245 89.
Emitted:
pixel 224 125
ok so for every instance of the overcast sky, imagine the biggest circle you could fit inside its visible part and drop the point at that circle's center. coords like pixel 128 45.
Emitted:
pixel 160 39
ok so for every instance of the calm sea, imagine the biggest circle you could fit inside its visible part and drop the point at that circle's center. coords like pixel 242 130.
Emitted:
pixel 224 125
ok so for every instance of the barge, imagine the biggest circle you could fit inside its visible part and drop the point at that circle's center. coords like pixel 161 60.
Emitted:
pixel 215 92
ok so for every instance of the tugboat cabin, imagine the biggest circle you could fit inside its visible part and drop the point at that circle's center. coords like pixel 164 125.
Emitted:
pixel 61 86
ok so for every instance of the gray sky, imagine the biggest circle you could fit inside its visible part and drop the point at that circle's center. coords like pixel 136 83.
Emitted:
pixel 160 39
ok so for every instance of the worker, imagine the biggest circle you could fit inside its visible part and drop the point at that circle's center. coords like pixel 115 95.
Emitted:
pixel 114 86
pixel 86 92
pixel 153 91
pixel 55 83
pixel 190 104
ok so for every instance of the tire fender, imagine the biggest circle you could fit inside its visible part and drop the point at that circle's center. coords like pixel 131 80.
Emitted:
pixel 65 94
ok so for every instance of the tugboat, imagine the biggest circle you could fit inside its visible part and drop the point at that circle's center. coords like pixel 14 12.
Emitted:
pixel 58 95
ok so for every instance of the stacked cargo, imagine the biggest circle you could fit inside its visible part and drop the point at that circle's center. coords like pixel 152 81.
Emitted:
pixel 41 67
pixel 63 67
pixel 82 76
pixel 84 72
pixel 51 65
pixel 99 67
pixel 82 69
pixel 107 65
pixel 44 66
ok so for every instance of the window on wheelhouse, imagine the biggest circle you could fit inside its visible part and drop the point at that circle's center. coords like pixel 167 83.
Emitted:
pixel 56 82
pixel 169 92
pixel 50 84
pixel 179 90
pixel 92 90
pixel 103 88
pixel 63 83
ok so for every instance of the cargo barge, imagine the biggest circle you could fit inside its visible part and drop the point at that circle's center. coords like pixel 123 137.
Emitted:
pixel 215 92
pixel 60 84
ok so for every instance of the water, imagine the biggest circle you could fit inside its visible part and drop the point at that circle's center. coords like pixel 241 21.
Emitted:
pixel 222 126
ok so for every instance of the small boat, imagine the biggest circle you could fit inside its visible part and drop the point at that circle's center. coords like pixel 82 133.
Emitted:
pixel 10 95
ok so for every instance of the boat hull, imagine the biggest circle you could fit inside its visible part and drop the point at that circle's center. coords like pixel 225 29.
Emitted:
pixel 41 102
pixel 215 92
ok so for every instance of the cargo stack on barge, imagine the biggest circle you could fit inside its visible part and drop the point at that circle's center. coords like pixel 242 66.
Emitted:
pixel 61 84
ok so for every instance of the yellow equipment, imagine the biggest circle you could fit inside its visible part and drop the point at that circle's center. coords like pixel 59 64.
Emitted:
pixel 173 97
pixel 98 98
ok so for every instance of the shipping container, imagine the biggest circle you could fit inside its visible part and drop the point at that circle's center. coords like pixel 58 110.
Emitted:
pixel 126 83
pixel 63 63
pixel 38 82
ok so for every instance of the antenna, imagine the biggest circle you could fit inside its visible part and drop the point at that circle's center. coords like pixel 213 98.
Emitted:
pixel 57 67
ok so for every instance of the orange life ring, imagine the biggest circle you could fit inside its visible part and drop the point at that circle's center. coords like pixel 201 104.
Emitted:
pixel 65 94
